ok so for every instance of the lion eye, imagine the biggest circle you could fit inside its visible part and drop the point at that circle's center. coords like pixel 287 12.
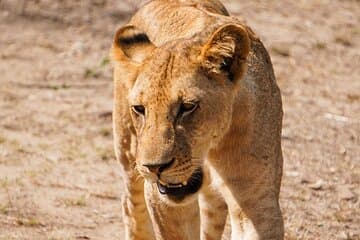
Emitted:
pixel 138 109
pixel 187 107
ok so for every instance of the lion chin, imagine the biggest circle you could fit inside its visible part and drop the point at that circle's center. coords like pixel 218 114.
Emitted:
pixel 174 192
pixel 178 192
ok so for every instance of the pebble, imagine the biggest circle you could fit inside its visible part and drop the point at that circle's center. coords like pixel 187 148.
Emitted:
pixel 345 193
pixel 343 235
pixel 292 173
pixel 319 185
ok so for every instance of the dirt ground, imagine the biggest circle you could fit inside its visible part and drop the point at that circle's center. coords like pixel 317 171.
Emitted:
pixel 58 176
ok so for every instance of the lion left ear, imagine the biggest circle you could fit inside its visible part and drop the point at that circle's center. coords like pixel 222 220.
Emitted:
pixel 226 51
pixel 131 45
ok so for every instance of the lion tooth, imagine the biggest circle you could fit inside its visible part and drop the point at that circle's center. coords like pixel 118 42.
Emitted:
pixel 163 183
pixel 184 183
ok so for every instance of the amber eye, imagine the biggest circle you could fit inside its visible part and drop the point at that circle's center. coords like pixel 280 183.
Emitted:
pixel 138 109
pixel 187 108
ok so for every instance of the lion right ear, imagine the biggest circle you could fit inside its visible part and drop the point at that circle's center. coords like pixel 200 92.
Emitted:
pixel 226 51
pixel 131 44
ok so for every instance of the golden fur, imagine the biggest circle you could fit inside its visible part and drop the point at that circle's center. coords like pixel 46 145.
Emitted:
pixel 191 54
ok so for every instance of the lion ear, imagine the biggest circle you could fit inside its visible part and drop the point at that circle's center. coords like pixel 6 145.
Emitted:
pixel 225 53
pixel 131 44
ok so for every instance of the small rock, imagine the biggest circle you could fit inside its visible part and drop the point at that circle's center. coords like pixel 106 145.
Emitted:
pixel 286 134
pixel 292 173
pixel 53 159
pixel 309 138
pixel 343 235
pixel 77 49
pixel 319 185
pixel 342 150
pixel 335 206
pixel 84 237
pixel 345 193
pixel 5 14
pixel 307 178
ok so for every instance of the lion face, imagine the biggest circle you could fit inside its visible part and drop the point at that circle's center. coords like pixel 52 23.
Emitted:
pixel 181 103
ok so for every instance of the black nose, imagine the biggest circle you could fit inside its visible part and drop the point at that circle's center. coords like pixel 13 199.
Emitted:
pixel 158 168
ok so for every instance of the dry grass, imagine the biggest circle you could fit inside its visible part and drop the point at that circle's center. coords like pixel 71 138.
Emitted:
pixel 75 202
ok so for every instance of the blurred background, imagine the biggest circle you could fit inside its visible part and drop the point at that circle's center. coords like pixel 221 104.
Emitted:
pixel 58 175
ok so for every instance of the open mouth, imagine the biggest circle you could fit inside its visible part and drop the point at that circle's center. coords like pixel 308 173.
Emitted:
pixel 181 190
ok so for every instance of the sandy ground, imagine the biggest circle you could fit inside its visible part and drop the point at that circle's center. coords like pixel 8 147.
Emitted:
pixel 58 176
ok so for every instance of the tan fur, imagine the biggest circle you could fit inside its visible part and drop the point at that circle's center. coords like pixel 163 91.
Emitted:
pixel 188 50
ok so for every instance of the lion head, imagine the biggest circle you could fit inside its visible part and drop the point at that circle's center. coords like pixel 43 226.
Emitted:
pixel 180 98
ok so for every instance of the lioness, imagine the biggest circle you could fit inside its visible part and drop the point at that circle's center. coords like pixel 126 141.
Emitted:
pixel 197 125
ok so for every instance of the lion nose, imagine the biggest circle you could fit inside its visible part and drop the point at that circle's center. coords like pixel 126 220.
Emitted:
pixel 159 168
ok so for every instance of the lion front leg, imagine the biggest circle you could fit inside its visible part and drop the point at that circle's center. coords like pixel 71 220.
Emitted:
pixel 257 218
pixel 135 215
pixel 213 209
pixel 172 222
pixel 213 212
pixel 252 199
pixel 253 208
